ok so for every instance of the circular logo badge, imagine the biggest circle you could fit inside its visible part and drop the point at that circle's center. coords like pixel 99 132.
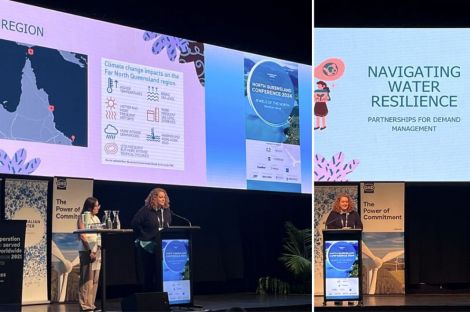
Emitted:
pixel 271 92
pixel 176 256
pixel 342 255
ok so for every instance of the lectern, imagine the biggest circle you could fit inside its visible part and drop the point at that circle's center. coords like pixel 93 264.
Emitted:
pixel 176 254
pixel 105 233
pixel 342 265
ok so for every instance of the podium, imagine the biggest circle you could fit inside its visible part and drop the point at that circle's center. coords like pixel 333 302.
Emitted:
pixel 175 246
pixel 12 242
pixel 342 265
pixel 105 233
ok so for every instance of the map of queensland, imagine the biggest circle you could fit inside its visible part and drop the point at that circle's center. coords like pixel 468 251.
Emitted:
pixel 43 94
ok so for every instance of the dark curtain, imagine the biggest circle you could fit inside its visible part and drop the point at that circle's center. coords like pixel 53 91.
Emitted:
pixel 437 234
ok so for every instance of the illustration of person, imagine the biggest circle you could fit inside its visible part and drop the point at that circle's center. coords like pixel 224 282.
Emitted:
pixel 321 96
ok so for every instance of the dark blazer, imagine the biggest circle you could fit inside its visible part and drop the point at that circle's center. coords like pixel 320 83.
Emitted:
pixel 338 220
pixel 147 221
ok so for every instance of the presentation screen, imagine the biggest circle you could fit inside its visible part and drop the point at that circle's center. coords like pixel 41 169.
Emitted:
pixel 342 270
pixel 176 270
pixel 391 104
pixel 90 99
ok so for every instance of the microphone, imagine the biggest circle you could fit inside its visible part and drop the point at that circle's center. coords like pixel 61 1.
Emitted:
pixel 178 216
pixel 332 221
pixel 346 223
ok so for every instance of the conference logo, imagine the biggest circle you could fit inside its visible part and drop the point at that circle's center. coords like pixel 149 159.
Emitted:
pixel 176 256
pixel 270 92
pixel 342 255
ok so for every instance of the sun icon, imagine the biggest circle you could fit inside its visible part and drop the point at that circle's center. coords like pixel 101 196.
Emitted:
pixel 110 103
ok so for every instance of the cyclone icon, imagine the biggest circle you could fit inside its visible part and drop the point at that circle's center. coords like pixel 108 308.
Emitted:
pixel 111 148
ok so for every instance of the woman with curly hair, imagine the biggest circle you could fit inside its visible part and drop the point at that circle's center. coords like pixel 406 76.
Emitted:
pixel 343 214
pixel 147 222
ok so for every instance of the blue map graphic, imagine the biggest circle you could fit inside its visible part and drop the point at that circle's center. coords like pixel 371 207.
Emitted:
pixel 43 94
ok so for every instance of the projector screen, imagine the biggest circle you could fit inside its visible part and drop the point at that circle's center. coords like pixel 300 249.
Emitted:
pixel 397 104
pixel 89 99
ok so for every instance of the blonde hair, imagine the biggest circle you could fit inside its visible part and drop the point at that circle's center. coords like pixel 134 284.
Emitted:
pixel 336 206
pixel 154 192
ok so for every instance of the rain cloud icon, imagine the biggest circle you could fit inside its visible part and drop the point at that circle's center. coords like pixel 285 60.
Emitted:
pixel 111 131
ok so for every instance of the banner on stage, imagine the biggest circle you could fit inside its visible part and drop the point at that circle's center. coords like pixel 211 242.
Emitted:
pixel 27 200
pixel 12 234
pixel 67 202
pixel 383 216
pixel 342 270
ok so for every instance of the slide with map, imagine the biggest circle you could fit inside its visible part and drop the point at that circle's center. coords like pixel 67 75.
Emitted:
pixel 43 96
pixel 82 98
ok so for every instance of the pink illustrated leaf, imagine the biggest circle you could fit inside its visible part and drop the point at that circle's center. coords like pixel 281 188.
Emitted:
pixel 337 159
pixel 334 170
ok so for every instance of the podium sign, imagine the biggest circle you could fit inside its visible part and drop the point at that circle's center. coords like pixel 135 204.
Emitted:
pixel 176 273
pixel 176 263
pixel 342 265
pixel 12 239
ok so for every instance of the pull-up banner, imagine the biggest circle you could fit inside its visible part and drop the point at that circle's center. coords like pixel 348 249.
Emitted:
pixel 67 202
pixel 383 216
pixel 12 235
pixel 27 200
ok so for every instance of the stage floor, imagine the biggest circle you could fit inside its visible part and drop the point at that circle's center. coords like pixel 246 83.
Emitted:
pixel 213 303
pixel 428 302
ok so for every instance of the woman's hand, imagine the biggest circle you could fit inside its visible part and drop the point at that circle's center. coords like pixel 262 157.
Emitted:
pixel 92 256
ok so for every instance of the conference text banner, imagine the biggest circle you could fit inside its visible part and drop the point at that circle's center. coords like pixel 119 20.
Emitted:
pixel 383 216
pixel 12 235
pixel 27 200
pixel 67 202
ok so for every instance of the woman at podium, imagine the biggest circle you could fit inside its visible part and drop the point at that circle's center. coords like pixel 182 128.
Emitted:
pixel 153 216
pixel 343 214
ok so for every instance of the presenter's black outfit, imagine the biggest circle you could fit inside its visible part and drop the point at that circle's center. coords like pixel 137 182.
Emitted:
pixel 338 220
pixel 146 224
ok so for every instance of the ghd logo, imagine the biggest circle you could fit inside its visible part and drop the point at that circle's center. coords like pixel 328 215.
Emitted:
pixel 369 187
pixel 61 183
